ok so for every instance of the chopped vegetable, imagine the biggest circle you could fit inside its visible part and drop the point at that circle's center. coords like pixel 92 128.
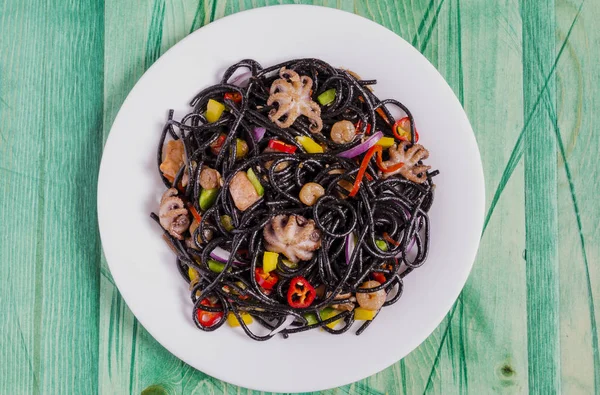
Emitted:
pixel 265 280
pixel 193 274
pixel 215 146
pixel 359 126
pixel 311 318
pixel 401 130
pixel 241 148
pixel 386 142
pixel 387 238
pixel 215 266
pixel 309 145
pixel 233 96
pixel 208 197
pixel 382 245
pixel 379 277
pixel 327 313
pixel 209 318
pixel 195 214
pixel 362 170
pixel 255 182
pixel 234 322
pixel 270 261
pixel 326 97
pixel 362 314
pixel 301 293
pixel 227 222
pixel 362 147
pixel 282 147
pixel 289 263
pixel 214 110
pixel 259 133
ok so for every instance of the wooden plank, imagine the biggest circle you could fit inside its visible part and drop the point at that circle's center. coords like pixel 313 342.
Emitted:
pixel 578 186
pixel 50 105
pixel 541 217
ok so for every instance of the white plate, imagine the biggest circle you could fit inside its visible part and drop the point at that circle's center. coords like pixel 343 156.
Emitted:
pixel 129 188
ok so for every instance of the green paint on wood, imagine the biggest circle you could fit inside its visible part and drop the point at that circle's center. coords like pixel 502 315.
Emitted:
pixel 155 33
pixel 51 120
pixel 541 212
pixel 517 151
pixel 55 48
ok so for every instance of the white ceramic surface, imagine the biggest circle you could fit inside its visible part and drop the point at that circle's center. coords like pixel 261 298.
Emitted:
pixel 129 188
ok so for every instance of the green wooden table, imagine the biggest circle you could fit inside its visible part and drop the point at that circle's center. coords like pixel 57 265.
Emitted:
pixel 528 75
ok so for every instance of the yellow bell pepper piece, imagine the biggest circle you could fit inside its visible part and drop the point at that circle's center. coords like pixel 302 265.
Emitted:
pixel 362 314
pixel 386 142
pixel 214 110
pixel 193 274
pixel 327 313
pixel 270 261
pixel 233 321
pixel 309 145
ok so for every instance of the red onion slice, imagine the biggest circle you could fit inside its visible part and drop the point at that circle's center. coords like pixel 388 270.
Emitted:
pixel 241 79
pixel 259 133
pixel 362 147
pixel 220 255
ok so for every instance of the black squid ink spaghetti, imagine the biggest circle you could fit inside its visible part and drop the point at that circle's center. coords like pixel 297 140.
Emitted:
pixel 295 200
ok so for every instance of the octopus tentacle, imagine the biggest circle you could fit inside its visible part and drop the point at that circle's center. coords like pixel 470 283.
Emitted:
pixel 291 92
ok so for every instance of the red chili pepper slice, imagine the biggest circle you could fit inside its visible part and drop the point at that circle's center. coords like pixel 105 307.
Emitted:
pixel 379 111
pixel 379 277
pixel 282 147
pixel 233 96
pixel 301 293
pixel 380 164
pixel 216 145
pixel 359 124
pixel 387 238
pixel 265 280
pixel 195 214
pixel 401 130
pixel 209 318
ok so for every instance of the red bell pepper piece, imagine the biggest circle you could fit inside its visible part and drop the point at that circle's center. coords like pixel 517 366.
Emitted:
pixel 233 96
pixel 379 277
pixel 301 293
pixel 209 318
pixel 282 147
pixel 265 280
pixel 216 145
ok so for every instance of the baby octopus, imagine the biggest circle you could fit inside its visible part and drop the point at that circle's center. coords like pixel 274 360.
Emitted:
pixel 173 215
pixel 291 92
pixel 412 170
pixel 293 236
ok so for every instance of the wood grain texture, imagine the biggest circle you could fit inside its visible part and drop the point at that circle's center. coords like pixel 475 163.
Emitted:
pixel 527 75
pixel 541 216
pixel 51 106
